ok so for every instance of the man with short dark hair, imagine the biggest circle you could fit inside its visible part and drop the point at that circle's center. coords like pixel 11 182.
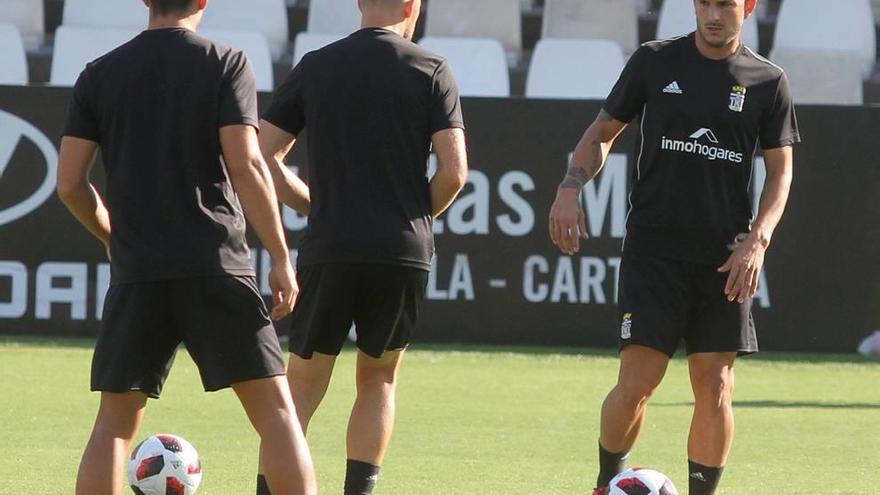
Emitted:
pixel 175 117
pixel 693 252
pixel 372 105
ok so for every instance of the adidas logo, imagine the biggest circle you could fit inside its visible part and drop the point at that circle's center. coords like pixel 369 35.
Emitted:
pixel 673 88
pixel 698 476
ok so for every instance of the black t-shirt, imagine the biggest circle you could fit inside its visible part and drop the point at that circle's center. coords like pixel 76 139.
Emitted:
pixel 701 121
pixel 155 106
pixel 370 104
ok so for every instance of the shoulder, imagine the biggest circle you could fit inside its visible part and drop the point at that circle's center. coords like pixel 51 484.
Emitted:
pixel 756 62
pixel 665 46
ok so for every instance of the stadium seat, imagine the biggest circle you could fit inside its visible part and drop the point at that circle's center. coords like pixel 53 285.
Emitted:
pixel 13 62
pixel 307 42
pixel 677 17
pixel 255 46
pixel 615 20
pixel 574 69
pixel 27 16
pixel 77 46
pixel 496 19
pixel 479 64
pixel 333 17
pixel 822 77
pixel 268 17
pixel 106 14
pixel 815 24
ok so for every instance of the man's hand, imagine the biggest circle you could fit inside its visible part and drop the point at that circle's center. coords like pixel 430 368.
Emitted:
pixel 282 281
pixel 744 268
pixel 567 224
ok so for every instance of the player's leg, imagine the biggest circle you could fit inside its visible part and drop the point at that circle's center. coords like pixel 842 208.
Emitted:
pixel 387 309
pixel 372 417
pixel 720 331
pixel 102 469
pixel 133 354
pixel 712 426
pixel 653 310
pixel 318 329
pixel 308 379
pixel 228 333
pixel 623 412
pixel 285 455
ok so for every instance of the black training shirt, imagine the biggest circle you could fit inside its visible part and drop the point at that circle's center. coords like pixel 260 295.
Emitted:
pixel 701 121
pixel 155 106
pixel 370 104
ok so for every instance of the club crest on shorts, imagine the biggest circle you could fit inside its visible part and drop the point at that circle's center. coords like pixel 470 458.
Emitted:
pixel 626 326
pixel 737 98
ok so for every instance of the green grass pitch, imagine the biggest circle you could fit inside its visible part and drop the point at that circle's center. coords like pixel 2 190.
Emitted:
pixel 471 420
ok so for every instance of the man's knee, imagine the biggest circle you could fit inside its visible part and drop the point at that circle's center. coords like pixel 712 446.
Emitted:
pixel 378 373
pixel 712 383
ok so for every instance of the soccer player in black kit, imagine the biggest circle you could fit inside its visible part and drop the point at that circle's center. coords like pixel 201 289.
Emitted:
pixel 371 105
pixel 694 250
pixel 175 118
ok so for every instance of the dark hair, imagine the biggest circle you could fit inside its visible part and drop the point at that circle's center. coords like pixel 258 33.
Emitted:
pixel 172 6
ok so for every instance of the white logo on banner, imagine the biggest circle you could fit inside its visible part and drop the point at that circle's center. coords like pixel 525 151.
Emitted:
pixel 12 130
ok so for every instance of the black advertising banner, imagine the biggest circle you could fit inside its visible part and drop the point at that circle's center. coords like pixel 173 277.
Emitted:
pixel 497 277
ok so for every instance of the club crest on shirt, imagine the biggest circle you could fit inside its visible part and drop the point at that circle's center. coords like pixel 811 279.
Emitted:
pixel 626 326
pixel 737 98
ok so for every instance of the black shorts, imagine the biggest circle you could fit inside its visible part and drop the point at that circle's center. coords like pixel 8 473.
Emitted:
pixel 662 302
pixel 382 300
pixel 222 320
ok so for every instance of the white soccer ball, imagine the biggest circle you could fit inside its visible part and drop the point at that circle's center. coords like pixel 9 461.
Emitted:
pixel 164 465
pixel 639 481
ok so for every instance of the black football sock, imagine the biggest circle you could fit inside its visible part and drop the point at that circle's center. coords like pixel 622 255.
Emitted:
pixel 610 465
pixel 702 480
pixel 262 486
pixel 360 477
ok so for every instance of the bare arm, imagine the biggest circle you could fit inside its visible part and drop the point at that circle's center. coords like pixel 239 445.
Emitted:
pixel 276 143
pixel 76 192
pixel 452 168
pixel 747 260
pixel 253 184
pixel 567 224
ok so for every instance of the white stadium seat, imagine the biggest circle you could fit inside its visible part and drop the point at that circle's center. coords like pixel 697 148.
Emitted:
pixel 27 15
pixel 569 69
pixel 255 46
pixel 77 46
pixel 496 19
pixel 478 64
pixel 13 62
pixel 106 14
pixel 615 20
pixel 677 17
pixel 268 17
pixel 845 26
pixel 333 17
pixel 308 42
pixel 822 77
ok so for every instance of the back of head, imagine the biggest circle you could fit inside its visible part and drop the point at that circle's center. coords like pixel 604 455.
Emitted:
pixel 387 13
pixel 172 7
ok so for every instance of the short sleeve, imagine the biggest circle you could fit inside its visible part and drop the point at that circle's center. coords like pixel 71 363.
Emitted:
pixel 287 111
pixel 627 97
pixel 445 112
pixel 779 124
pixel 82 119
pixel 238 94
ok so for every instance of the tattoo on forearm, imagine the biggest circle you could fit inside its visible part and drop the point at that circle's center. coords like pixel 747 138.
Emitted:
pixel 577 176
